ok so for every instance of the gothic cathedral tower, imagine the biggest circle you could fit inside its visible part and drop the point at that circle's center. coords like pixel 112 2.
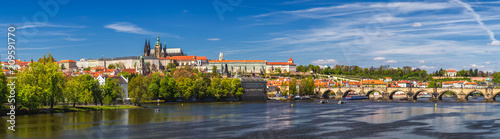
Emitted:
pixel 146 48
pixel 158 49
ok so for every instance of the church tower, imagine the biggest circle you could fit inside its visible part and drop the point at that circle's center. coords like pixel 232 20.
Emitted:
pixel 157 47
pixel 221 56
pixel 165 54
pixel 146 48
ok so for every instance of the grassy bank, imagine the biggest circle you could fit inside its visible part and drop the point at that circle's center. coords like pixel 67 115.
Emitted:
pixel 61 109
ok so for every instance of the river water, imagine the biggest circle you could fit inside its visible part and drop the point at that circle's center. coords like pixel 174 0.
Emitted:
pixel 271 119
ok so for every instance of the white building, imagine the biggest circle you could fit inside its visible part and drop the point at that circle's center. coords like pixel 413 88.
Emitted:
pixel 451 73
pixel 285 67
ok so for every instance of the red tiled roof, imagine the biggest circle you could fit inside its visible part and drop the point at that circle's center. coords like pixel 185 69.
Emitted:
pixel 451 70
pixel 279 63
pixel 183 58
pixel 129 71
pixel 222 61
pixel 290 59
pixel 448 82
pixel 65 61
pixel 201 58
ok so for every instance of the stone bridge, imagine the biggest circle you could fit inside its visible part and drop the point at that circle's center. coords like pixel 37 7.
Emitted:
pixel 410 93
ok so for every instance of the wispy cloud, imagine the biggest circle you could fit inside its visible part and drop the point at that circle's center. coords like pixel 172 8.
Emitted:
pixel 74 39
pixel 127 27
pixel 416 24
pixel 379 58
pixel 403 31
pixel 391 61
pixel 474 66
pixel 39 24
pixel 324 62
pixel 427 67
pixel 480 22
pixel 48 47
pixel 213 39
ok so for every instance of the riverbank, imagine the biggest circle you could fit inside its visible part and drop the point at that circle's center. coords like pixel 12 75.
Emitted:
pixel 61 109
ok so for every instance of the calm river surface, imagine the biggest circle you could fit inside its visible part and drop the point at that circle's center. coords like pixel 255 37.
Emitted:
pixel 271 119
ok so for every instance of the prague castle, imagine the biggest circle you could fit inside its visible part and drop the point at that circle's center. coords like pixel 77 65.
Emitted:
pixel 160 51
pixel 157 58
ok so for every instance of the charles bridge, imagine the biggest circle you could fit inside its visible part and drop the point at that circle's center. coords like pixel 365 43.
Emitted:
pixel 410 93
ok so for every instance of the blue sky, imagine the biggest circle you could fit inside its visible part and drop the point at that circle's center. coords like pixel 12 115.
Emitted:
pixel 422 34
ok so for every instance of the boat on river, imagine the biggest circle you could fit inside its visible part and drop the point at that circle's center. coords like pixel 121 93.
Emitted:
pixel 355 97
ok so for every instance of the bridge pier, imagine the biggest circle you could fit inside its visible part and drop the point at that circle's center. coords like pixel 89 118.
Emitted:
pixel 461 97
pixel 339 95
pixel 489 100
pixel 386 96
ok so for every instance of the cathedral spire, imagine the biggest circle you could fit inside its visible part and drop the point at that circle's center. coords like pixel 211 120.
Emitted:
pixel 158 40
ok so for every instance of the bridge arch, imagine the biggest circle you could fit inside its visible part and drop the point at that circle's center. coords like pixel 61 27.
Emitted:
pixel 415 95
pixel 495 95
pixel 367 93
pixel 471 92
pixel 326 94
pixel 347 92
pixel 440 96
pixel 391 94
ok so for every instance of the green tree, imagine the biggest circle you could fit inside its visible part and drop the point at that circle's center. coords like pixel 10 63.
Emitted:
pixel 138 89
pixel 4 91
pixel 200 88
pixel 214 88
pixel 432 84
pixel 73 89
pixel 112 90
pixel 168 87
pixel 154 85
pixel 236 88
pixel 41 84
pixel 307 86
pixel 293 86
pixel 185 88
pixel 226 87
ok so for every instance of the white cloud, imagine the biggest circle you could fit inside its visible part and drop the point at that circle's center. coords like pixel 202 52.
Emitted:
pixel 213 39
pixel 40 24
pixel 391 61
pixel 427 67
pixel 386 18
pixel 127 28
pixel 478 19
pixel 74 39
pixel 495 42
pixel 359 32
pixel 416 24
pixel 324 62
pixel 131 28
pixel 379 58
pixel 487 63
pixel 474 66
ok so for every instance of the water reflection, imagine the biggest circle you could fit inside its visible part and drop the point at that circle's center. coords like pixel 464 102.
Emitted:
pixel 385 119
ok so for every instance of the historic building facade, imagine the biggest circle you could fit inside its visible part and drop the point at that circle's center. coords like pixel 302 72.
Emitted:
pixel 159 51
pixel 68 64
pixel 272 67
pixel 240 66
